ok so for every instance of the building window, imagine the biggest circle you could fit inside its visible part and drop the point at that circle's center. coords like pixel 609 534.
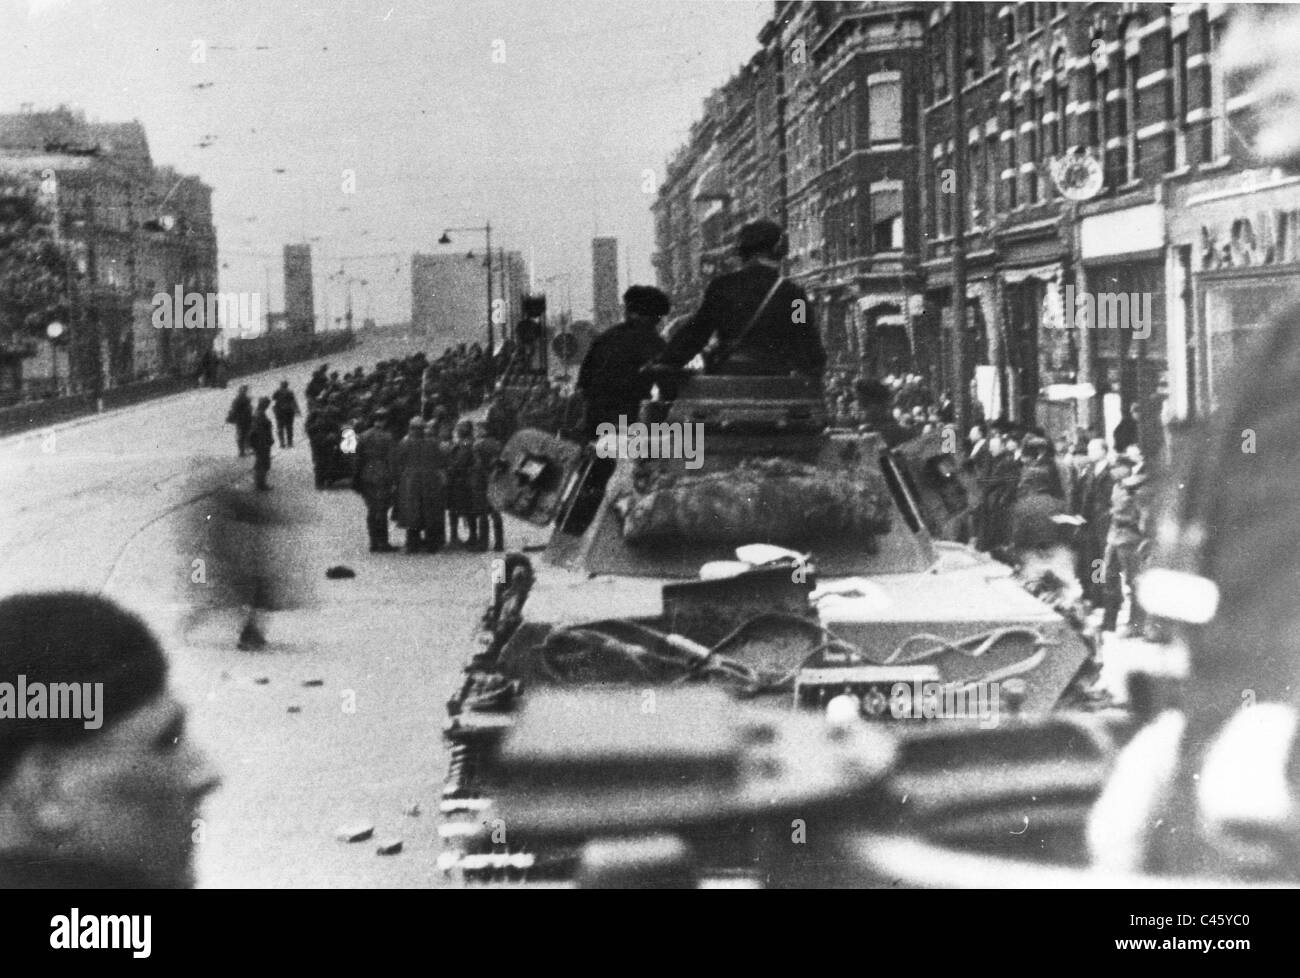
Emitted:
pixel 887 216
pixel 943 196
pixel 1218 95
pixel 1178 99
pixel 930 203
pixel 1033 147
pixel 1096 135
pixel 851 121
pixel 1060 96
pixel 991 172
pixel 1132 147
pixel 885 107
pixel 1118 160
pixel 975 48
pixel 1013 108
pixel 1051 133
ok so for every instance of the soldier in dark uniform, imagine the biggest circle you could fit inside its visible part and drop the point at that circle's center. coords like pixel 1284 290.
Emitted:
pixel 323 434
pixel 260 439
pixel 460 495
pixel 241 416
pixel 286 409
pixel 487 455
pixel 783 337
pixel 611 379
pixel 376 479
pixel 873 400
pixel 420 503
pixel 319 381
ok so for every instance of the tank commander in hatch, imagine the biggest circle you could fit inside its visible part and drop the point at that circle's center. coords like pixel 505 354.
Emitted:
pixel 761 322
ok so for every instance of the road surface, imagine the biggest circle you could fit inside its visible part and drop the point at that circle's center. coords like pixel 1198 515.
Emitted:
pixel 117 505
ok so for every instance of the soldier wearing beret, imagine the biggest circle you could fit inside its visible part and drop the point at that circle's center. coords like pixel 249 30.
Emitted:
pixel 610 379
pixel 107 798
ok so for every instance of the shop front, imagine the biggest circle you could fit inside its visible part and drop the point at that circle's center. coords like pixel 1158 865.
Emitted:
pixel 840 334
pixel 1033 336
pixel 1123 309
pixel 1236 303
pixel 936 338
pixel 886 337
pixel 1233 264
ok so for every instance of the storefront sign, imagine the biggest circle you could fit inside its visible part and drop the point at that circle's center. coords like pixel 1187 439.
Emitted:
pixel 1126 232
pixel 1260 238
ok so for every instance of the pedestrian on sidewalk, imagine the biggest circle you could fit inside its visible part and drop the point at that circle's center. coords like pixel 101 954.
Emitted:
pixel 286 409
pixel 1092 502
pixel 421 503
pixel 241 416
pixel 376 479
pixel 997 475
pixel 260 439
pixel 1126 545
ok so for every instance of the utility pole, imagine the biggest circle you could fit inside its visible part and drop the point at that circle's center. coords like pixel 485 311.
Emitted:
pixel 491 337
pixel 506 281
pixel 961 396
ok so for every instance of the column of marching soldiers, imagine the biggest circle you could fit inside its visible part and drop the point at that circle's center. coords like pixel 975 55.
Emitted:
pixel 396 436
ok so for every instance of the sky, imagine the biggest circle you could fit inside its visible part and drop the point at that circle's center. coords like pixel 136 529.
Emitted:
pixel 539 116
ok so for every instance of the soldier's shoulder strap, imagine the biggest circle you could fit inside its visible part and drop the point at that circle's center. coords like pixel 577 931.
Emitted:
pixel 753 321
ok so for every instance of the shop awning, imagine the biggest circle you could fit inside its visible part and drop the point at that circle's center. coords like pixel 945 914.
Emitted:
pixel 872 300
pixel 1068 392
pixel 1044 273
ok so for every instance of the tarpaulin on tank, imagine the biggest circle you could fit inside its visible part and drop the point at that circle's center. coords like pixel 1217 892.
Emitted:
pixel 771 500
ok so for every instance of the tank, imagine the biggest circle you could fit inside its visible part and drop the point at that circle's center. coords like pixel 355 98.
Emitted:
pixel 795 568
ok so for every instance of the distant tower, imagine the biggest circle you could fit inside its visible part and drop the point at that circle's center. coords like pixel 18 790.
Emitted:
pixel 606 306
pixel 299 309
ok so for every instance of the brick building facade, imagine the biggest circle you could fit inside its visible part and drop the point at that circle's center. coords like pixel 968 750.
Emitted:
pixel 861 113
pixel 130 229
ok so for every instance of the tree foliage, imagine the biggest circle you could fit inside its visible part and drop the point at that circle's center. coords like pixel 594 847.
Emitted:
pixel 33 265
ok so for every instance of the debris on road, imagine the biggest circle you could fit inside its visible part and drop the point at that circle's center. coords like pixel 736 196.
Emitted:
pixel 355 833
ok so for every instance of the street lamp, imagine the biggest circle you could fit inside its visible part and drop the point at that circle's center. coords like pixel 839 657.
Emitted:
pixel 54 332
pixel 491 334
pixel 567 319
